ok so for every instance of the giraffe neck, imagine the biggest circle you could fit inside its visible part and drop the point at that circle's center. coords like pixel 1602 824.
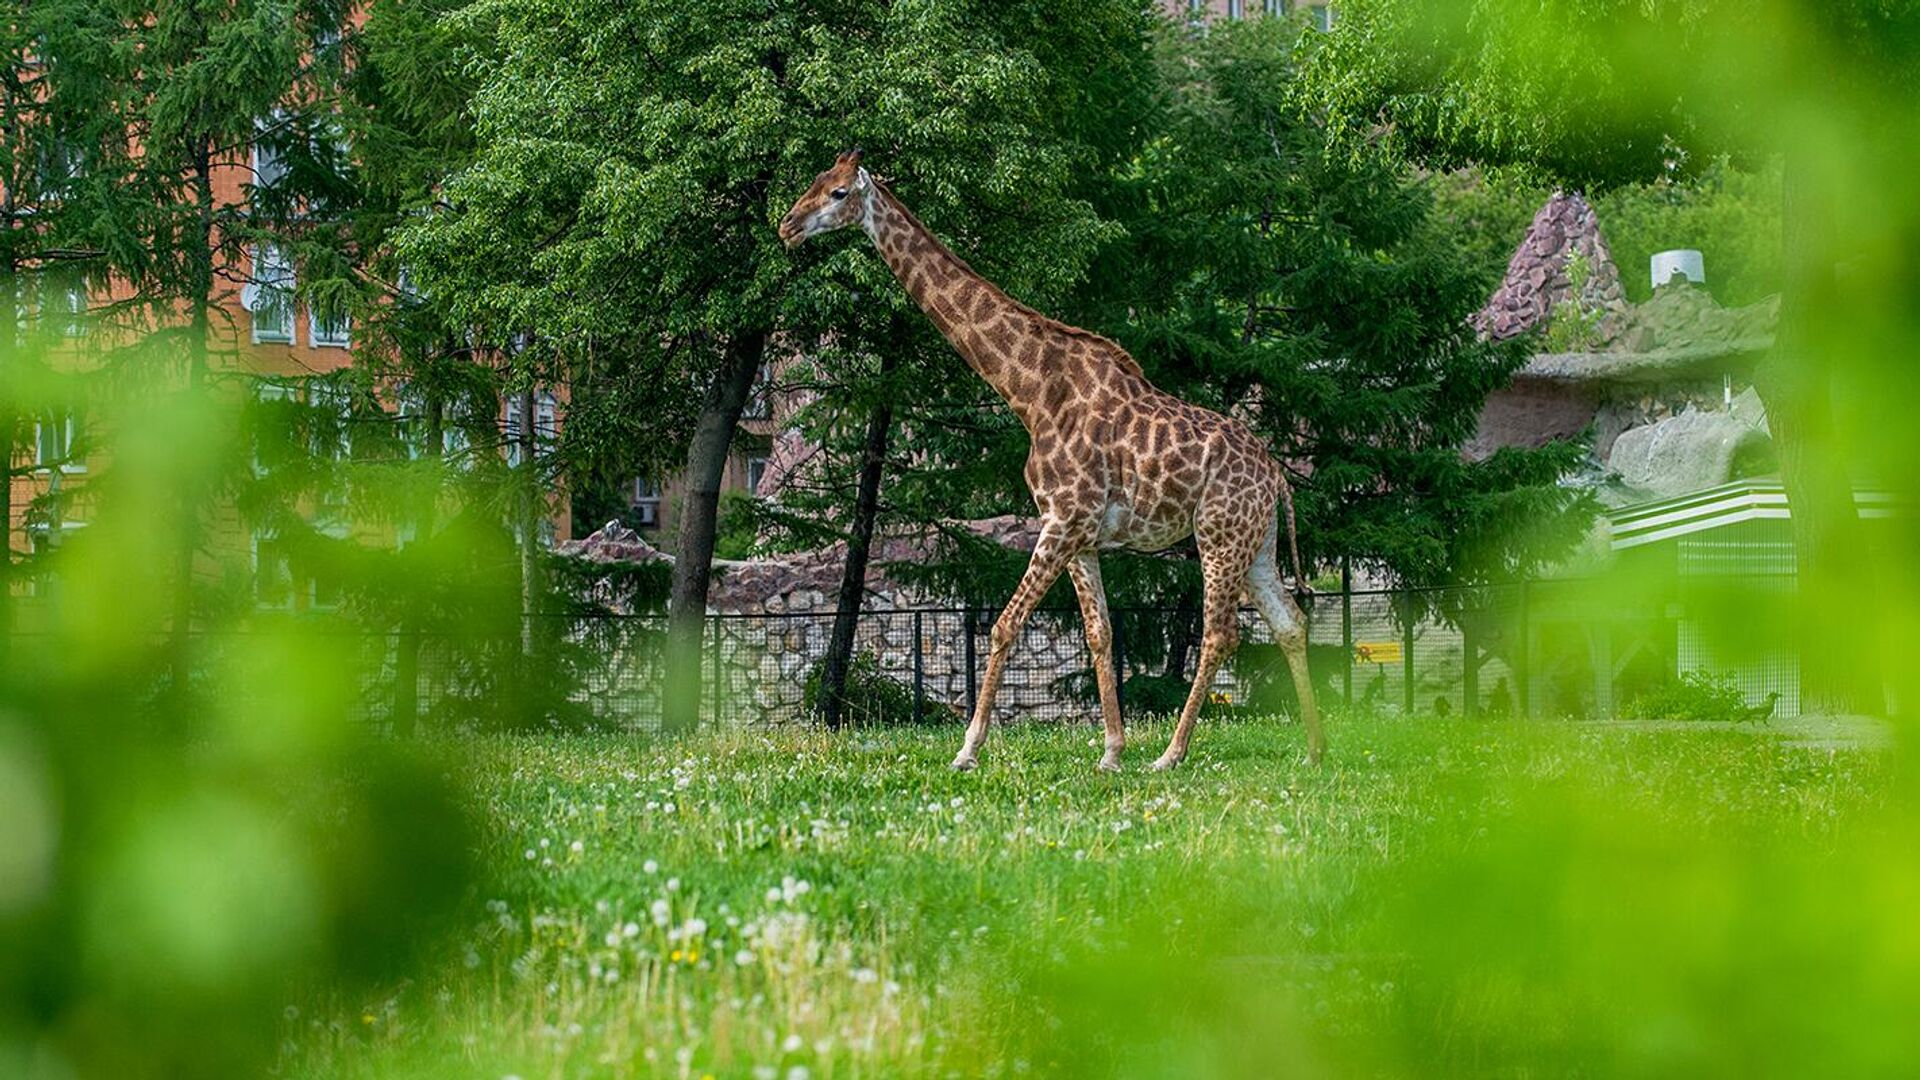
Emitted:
pixel 989 329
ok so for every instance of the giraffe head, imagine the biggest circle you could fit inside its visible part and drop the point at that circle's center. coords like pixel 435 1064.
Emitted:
pixel 838 198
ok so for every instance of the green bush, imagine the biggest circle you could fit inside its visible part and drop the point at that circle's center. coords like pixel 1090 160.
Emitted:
pixel 873 697
pixel 1695 695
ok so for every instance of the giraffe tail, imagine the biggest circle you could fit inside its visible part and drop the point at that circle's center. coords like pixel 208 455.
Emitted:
pixel 1300 586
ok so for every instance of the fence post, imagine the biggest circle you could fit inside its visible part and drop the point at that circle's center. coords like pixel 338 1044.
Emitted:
pixel 716 669
pixel 973 684
pixel 919 672
pixel 1346 629
pixel 1469 671
pixel 1406 653
pixel 1523 653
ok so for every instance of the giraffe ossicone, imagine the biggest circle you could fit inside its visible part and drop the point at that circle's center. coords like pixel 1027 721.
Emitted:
pixel 1115 463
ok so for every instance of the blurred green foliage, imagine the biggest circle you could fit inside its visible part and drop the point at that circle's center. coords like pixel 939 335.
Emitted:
pixel 180 863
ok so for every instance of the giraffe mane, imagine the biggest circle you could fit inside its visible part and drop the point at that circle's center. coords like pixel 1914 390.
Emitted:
pixel 1046 322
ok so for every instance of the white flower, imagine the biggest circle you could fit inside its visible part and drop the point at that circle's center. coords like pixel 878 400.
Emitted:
pixel 649 867
pixel 661 912
pixel 673 884
pixel 798 1072
pixel 765 1072
pixel 865 975
pixel 532 854
pixel 793 1044
pixel 576 847
pixel 744 957
pixel 630 930
pixel 695 927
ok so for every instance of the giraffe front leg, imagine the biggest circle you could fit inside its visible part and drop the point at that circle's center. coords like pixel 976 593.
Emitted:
pixel 1050 556
pixel 1099 627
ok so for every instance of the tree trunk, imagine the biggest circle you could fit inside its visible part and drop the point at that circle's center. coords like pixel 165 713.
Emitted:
pixel 528 504
pixel 720 412
pixel 1181 636
pixel 9 431
pixel 406 661
pixel 1834 609
pixel 200 297
pixel 853 582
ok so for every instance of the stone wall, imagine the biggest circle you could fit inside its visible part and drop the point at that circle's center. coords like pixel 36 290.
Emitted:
pixel 776 614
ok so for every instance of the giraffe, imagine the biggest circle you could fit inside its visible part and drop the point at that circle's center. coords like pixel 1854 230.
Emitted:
pixel 1115 463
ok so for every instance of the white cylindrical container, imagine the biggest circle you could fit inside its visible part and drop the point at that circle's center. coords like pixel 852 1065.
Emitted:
pixel 1685 262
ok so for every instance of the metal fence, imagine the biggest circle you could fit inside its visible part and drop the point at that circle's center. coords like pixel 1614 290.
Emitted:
pixel 1560 648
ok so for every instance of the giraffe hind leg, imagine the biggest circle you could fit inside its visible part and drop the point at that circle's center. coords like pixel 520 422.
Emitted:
pixel 1290 633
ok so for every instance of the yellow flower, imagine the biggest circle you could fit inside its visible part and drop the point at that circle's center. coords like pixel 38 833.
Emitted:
pixel 676 956
pixel 366 1018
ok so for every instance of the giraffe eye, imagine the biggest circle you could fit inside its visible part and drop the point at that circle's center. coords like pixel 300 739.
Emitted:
pixel 839 193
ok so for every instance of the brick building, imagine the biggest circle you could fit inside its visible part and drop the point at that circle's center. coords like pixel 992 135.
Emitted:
pixel 265 342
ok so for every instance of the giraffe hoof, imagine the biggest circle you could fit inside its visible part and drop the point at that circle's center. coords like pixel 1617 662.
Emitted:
pixel 1110 763
pixel 1165 763
pixel 964 763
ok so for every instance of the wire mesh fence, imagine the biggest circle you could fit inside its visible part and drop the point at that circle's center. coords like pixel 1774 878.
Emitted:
pixel 1563 648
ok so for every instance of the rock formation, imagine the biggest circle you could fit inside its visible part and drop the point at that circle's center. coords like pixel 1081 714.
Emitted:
pixel 1538 276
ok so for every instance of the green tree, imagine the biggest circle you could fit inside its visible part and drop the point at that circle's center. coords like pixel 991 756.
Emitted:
pixel 1601 93
pixel 632 160
pixel 1271 276
pixel 175 92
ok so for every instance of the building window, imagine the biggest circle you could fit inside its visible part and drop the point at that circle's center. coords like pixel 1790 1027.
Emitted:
pixel 268 167
pixel 760 401
pixel 71 310
pixel 269 295
pixel 329 333
pixel 456 437
pixel 1276 7
pixel 1321 15
pixel 756 472
pixel 545 425
pixel 274 424
pixel 56 169
pixel 1236 9
pixel 44 539
pixel 272 573
pixel 332 406
pixel 326 42
pixel 646 502
pixel 53 442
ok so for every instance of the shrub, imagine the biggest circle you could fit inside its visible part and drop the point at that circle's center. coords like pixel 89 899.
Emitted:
pixel 873 697
pixel 1696 695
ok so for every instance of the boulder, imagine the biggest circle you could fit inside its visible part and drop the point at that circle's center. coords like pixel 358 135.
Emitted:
pixel 1688 452
pixel 1750 409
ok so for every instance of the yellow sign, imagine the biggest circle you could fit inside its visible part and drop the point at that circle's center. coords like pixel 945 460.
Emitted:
pixel 1376 652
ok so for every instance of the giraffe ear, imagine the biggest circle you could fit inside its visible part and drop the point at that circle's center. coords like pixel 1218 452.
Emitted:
pixel 851 157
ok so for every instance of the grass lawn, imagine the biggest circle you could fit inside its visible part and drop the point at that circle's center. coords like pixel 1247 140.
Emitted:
pixel 1442 898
